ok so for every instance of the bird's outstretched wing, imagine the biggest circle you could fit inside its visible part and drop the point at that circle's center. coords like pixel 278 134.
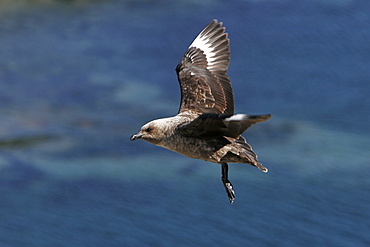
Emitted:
pixel 205 87
pixel 214 125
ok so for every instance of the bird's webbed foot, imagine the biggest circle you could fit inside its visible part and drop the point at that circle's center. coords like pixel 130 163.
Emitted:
pixel 227 184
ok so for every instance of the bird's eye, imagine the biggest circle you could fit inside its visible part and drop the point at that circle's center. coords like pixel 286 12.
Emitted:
pixel 148 129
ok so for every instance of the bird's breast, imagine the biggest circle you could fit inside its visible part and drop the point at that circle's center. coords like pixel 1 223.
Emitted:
pixel 196 148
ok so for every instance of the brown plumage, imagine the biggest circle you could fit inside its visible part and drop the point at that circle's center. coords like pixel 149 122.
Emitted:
pixel 205 126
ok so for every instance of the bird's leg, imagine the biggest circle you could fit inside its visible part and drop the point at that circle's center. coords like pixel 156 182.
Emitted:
pixel 227 183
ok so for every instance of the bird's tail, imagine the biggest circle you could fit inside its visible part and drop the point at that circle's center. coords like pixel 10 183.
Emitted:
pixel 248 155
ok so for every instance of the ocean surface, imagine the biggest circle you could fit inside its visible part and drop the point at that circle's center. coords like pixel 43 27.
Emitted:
pixel 78 78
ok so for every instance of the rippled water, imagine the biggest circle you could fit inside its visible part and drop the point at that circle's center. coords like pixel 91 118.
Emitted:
pixel 77 78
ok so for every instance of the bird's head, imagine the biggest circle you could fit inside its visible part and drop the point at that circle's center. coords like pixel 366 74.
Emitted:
pixel 152 132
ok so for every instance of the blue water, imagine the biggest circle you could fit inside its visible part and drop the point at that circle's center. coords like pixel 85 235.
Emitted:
pixel 77 78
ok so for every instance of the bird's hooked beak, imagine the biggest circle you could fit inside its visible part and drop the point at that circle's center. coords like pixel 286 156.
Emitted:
pixel 136 136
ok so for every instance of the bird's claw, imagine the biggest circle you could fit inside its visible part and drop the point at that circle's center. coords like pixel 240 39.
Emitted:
pixel 229 191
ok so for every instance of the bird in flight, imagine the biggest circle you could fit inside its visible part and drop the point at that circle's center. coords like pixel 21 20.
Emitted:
pixel 205 127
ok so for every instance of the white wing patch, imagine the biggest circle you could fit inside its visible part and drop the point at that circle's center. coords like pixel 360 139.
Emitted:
pixel 204 44
pixel 237 117
pixel 214 44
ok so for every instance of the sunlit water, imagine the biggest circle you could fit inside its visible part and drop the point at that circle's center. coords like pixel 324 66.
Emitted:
pixel 77 78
